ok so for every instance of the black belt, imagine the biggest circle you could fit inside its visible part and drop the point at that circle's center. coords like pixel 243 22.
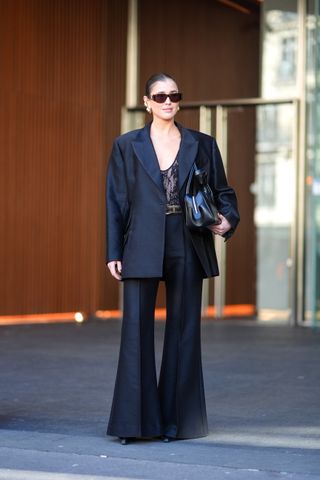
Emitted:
pixel 173 209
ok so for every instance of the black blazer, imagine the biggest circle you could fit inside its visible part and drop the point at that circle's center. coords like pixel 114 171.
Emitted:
pixel 136 201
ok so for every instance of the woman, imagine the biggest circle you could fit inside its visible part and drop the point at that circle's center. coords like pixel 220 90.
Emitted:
pixel 147 241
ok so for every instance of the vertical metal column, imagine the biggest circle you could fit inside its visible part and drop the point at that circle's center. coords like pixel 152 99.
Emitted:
pixel 295 266
pixel 132 74
pixel 205 126
pixel 298 306
pixel 220 282
pixel 128 121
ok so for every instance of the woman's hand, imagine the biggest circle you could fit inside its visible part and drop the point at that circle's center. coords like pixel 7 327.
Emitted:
pixel 115 268
pixel 222 228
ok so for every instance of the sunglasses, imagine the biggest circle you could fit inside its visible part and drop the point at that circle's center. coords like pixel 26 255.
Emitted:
pixel 162 97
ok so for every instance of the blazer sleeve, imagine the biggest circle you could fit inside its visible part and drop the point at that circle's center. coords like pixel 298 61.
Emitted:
pixel 116 204
pixel 225 195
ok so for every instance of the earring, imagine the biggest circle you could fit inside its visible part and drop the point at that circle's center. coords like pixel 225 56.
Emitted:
pixel 178 108
pixel 147 107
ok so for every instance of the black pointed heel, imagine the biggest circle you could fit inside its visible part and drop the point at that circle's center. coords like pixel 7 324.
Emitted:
pixel 124 440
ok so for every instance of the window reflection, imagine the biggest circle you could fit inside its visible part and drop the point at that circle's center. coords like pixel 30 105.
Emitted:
pixel 275 176
pixel 312 265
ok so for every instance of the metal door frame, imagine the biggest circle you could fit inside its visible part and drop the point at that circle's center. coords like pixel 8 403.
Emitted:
pixel 134 117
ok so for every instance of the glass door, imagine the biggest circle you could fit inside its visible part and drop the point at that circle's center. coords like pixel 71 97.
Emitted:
pixel 258 142
pixel 259 145
pixel 274 189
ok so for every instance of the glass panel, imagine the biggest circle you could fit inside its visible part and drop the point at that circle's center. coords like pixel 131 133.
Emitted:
pixel 261 166
pixel 275 166
pixel 279 48
pixel 274 190
pixel 312 304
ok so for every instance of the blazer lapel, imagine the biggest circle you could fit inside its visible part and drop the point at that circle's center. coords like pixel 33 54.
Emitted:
pixel 145 152
pixel 187 154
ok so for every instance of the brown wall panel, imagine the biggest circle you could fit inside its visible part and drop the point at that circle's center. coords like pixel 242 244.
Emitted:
pixel 241 251
pixel 62 84
pixel 211 49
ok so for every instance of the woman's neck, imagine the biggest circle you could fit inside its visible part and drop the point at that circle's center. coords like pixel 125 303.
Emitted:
pixel 163 128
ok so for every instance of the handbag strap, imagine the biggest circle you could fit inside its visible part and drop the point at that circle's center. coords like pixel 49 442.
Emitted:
pixel 193 169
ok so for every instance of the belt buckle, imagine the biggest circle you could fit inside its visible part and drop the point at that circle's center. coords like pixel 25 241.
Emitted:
pixel 173 209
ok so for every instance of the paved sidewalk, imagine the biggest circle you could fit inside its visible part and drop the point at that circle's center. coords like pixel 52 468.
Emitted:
pixel 263 400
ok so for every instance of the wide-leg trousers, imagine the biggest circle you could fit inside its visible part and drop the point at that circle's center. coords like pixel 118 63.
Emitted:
pixel 175 405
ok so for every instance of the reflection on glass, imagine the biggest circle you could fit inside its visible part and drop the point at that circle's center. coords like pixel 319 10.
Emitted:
pixel 274 209
pixel 312 303
pixel 279 54
pixel 275 173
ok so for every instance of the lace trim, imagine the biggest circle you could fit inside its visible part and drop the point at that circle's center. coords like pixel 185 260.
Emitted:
pixel 170 183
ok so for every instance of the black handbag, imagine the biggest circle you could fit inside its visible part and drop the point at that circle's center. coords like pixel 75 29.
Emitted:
pixel 200 207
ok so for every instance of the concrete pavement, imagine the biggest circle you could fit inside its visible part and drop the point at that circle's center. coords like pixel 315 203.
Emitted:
pixel 263 402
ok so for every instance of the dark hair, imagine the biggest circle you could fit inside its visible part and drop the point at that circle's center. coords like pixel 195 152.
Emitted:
pixel 157 77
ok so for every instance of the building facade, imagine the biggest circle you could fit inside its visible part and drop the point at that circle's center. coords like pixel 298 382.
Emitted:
pixel 69 71
pixel 290 67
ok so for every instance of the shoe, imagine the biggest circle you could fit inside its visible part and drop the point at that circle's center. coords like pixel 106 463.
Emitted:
pixel 124 440
pixel 166 439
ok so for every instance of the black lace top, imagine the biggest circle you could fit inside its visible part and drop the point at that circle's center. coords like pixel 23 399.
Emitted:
pixel 170 183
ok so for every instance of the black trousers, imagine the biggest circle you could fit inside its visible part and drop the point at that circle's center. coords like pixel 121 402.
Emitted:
pixel 175 406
